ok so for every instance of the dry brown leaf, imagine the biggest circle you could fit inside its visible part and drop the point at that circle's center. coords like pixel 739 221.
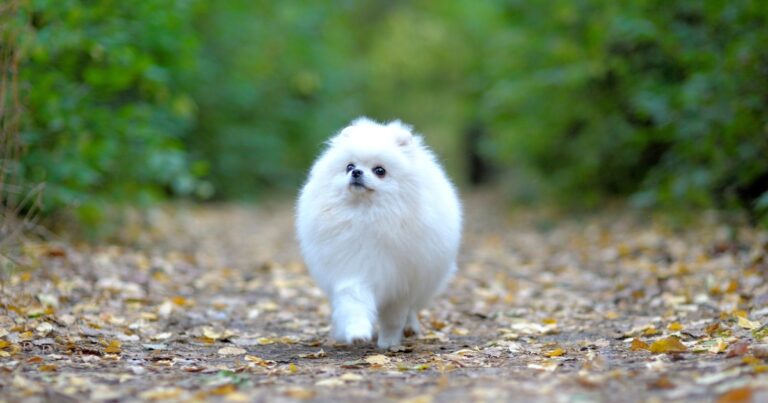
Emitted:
pixel 260 361
pixel 738 395
pixel 669 345
pixel 300 393
pixel 317 354
pixel 377 359
pixel 47 368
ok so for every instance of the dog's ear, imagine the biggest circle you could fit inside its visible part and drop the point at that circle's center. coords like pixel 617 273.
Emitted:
pixel 402 132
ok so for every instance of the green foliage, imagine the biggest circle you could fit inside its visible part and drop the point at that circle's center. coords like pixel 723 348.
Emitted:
pixel 106 113
pixel 275 81
pixel 663 102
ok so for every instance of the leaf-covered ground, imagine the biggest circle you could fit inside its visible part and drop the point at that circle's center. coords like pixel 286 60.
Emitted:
pixel 214 303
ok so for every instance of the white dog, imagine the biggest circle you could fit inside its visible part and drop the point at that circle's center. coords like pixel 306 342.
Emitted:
pixel 379 226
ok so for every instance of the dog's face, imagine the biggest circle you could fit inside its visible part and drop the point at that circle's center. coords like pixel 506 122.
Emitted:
pixel 368 160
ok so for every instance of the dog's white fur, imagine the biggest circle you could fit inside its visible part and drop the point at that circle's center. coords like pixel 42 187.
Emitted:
pixel 379 251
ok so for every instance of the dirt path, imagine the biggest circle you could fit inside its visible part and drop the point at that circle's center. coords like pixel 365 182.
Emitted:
pixel 214 303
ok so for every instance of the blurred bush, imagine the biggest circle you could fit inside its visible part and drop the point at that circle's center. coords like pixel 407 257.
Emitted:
pixel 664 102
pixel 106 109
pixel 661 100
pixel 275 80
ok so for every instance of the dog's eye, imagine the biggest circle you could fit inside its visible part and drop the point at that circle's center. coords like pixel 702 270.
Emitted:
pixel 380 172
pixel 350 167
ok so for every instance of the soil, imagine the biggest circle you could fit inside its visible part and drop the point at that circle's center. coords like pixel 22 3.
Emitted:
pixel 214 303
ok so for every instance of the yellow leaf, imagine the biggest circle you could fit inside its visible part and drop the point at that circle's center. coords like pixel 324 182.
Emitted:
pixel 667 345
pixel 4 344
pixel 555 353
pixel 113 347
pixel 160 393
pixel 611 315
pixel 378 359
pixel 460 331
pixel 675 326
pixel 750 360
pixel 223 390
pixel 47 368
pixel 265 340
pixel 748 324
pixel 180 301
pixel 210 333
pixel 638 344
pixel 651 331
pixel 418 399
pixel 293 368
pixel 740 313
pixel 549 321
pixel 719 346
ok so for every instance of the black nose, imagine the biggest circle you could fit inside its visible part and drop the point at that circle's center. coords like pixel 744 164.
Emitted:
pixel 356 173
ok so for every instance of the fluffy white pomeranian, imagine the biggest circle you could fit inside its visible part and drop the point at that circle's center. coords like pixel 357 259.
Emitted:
pixel 379 225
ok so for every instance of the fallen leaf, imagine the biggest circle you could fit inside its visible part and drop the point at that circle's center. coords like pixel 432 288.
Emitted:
pixel 330 382
pixel 738 349
pixel 47 368
pixel 113 347
pixel 651 331
pixel 661 383
pixel 318 354
pixel 738 395
pixel 223 390
pixel 161 393
pixel 349 376
pixel 638 344
pixel 718 347
pixel 748 324
pixel 555 353
pixel 260 361
pixel 675 326
pixel 418 399
pixel 300 393
pixel 669 345
pixel 161 336
pixel 231 351
pixel 378 359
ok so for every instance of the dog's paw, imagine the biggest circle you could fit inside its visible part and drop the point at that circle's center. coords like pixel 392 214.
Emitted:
pixel 387 342
pixel 357 334
pixel 412 326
